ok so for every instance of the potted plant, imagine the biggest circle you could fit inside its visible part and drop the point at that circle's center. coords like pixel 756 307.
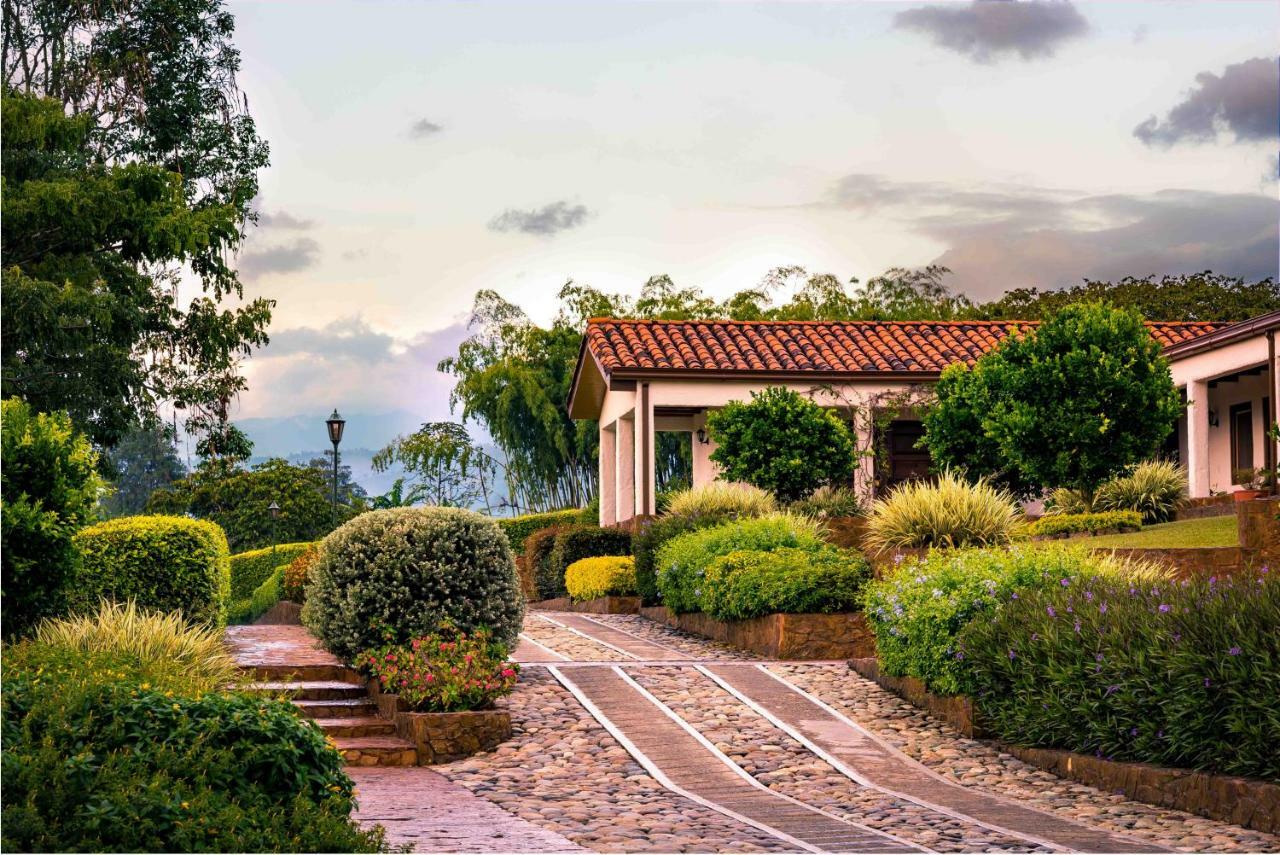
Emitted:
pixel 1251 482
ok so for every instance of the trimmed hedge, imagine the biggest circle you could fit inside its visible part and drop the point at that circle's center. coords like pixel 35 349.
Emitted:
pixel 250 569
pixel 585 541
pixel 749 583
pixel 393 575
pixel 1181 675
pixel 266 595
pixel 1052 525
pixel 163 563
pixel 517 529
pixel 536 558
pixel 682 562
pixel 602 576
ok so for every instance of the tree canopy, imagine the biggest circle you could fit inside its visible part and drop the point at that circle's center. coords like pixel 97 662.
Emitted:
pixel 444 466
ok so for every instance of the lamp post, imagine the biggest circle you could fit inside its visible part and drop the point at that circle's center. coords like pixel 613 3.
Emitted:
pixel 335 424
pixel 274 510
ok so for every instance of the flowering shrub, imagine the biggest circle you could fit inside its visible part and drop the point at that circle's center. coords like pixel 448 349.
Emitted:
pixel 919 610
pixel 1181 674
pixel 751 583
pixel 601 576
pixel 1053 525
pixel 298 573
pixel 449 671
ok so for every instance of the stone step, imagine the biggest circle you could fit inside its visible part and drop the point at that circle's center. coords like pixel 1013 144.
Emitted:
pixel 365 725
pixel 376 751
pixel 345 708
pixel 276 672
pixel 312 690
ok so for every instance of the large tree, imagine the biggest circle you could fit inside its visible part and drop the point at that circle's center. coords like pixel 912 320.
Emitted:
pixel 444 466
pixel 144 461
pixel 1068 404
pixel 130 165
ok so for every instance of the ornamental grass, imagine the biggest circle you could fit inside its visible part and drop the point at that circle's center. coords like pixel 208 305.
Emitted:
pixel 720 498
pixel 946 512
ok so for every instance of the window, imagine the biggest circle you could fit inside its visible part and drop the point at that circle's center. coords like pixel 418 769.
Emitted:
pixel 1242 436
pixel 906 462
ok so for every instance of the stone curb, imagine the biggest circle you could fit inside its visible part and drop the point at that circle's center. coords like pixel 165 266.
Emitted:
pixel 600 606
pixel 780 636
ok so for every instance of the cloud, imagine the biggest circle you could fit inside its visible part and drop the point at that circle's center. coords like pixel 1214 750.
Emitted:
pixel 999 237
pixel 1244 100
pixel 355 254
pixel 284 220
pixel 546 221
pixel 423 128
pixel 289 257
pixel 985 30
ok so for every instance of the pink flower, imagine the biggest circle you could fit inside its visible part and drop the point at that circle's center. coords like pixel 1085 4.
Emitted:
pixel 507 672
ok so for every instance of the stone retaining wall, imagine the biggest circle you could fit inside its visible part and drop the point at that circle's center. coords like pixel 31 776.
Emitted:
pixel 1192 562
pixel 443 737
pixel 1243 801
pixel 805 636
pixel 600 606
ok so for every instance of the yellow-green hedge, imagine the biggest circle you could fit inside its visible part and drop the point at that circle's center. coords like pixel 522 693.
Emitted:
pixel 168 564
pixel 250 569
pixel 603 576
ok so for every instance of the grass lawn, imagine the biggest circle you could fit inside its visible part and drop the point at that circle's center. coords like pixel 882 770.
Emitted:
pixel 1207 531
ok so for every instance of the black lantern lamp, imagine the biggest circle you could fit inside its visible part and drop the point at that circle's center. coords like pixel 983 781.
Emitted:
pixel 274 510
pixel 335 423
pixel 701 433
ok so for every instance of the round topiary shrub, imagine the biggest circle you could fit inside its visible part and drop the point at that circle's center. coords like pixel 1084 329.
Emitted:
pixel 407 571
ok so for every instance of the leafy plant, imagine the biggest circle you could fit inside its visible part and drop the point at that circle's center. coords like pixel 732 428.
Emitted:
pixel 584 541
pixel 1249 478
pixel 1067 524
pixel 261 600
pixel 601 576
pixel 412 569
pixel 782 442
pixel 48 487
pixel 297 574
pixel 1154 488
pixel 250 569
pixel 163 563
pixel 682 562
pixel 829 502
pixel 537 561
pixel 447 671
pixel 1178 674
pixel 720 498
pixel 649 537
pixel 749 583
pixel 946 512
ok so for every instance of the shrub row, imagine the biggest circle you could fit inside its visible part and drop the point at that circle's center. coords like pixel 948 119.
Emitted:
pixel 550 551
pixel 251 569
pixel 1176 674
pixel 1067 524
pixel 517 529
pixel 601 576
pixel 266 595
pixel 746 584
pixel 298 574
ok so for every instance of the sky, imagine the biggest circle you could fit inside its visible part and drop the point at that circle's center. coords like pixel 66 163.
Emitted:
pixel 424 151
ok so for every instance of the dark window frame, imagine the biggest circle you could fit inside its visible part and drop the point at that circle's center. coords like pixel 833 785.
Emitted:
pixel 1233 415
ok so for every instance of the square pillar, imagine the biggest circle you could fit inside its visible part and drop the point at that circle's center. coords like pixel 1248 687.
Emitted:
pixel 646 469
pixel 624 463
pixel 1198 438
pixel 608 475
pixel 705 470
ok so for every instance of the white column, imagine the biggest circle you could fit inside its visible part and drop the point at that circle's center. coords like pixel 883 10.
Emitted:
pixel 646 474
pixel 705 470
pixel 608 475
pixel 1198 437
pixel 624 470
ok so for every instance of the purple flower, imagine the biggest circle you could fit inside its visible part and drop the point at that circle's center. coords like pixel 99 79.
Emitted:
pixel 1235 651
pixel 1102 609
pixel 1088 595
pixel 1097 657
pixel 959 654
pixel 1112 689
pixel 1012 655
pixel 1077 626
pixel 1133 731
pixel 1014 595
pixel 1160 734
pixel 1051 612
pixel 1065 582
pixel 1212 580
pixel 1177 636
pixel 1164 607
pixel 1035 636
pixel 1206 682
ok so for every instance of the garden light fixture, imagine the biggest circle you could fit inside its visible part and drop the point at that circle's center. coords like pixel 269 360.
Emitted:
pixel 335 423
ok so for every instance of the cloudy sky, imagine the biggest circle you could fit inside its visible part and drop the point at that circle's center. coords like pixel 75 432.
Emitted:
pixel 423 151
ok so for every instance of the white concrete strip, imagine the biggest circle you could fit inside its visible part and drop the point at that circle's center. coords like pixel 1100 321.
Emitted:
pixel 638 637
pixel 535 643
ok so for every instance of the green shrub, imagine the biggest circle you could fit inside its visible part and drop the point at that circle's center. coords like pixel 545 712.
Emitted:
pixel 518 528
pixel 94 762
pixel 649 538
pixel 251 569
pixel 584 541
pixel 1175 674
pixel 918 611
pixel 266 595
pixel 448 671
pixel 828 502
pixel 720 498
pixel 1154 489
pixel 747 584
pixel 410 570
pixel 948 512
pixel 782 442
pixel 602 576
pixel 682 561
pixel 537 560
pixel 1067 524
pixel 164 563
pixel 49 485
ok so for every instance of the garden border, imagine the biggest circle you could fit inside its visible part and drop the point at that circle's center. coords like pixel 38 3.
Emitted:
pixel 839 635
pixel 443 737
pixel 611 605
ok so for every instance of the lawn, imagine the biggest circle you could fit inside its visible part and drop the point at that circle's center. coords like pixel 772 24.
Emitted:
pixel 1207 531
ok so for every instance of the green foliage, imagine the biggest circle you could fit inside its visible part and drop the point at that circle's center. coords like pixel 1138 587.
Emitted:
pixel 96 761
pixel 584 541
pixel 238 499
pixel 411 570
pixel 518 529
pixel 49 487
pixel 782 442
pixel 602 576
pixel 918 611
pixel 1203 296
pixel 1070 404
pixel 1174 674
pixel 446 671
pixel 142 462
pixel 649 539
pixel 682 561
pixel 720 498
pixel 95 236
pixel 1053 525
pixel 266 595
pixel 747 584
pixel 537 559
pixel 1154 488
pixel 447 467
pixel 296 576
pixel 946 512
pixel 163 563
pixel 829 502
pixel 250 569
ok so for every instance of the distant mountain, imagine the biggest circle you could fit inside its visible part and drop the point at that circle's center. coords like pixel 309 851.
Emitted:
pixel 284 436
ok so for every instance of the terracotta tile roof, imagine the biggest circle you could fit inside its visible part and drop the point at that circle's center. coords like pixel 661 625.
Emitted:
pixel 924 347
